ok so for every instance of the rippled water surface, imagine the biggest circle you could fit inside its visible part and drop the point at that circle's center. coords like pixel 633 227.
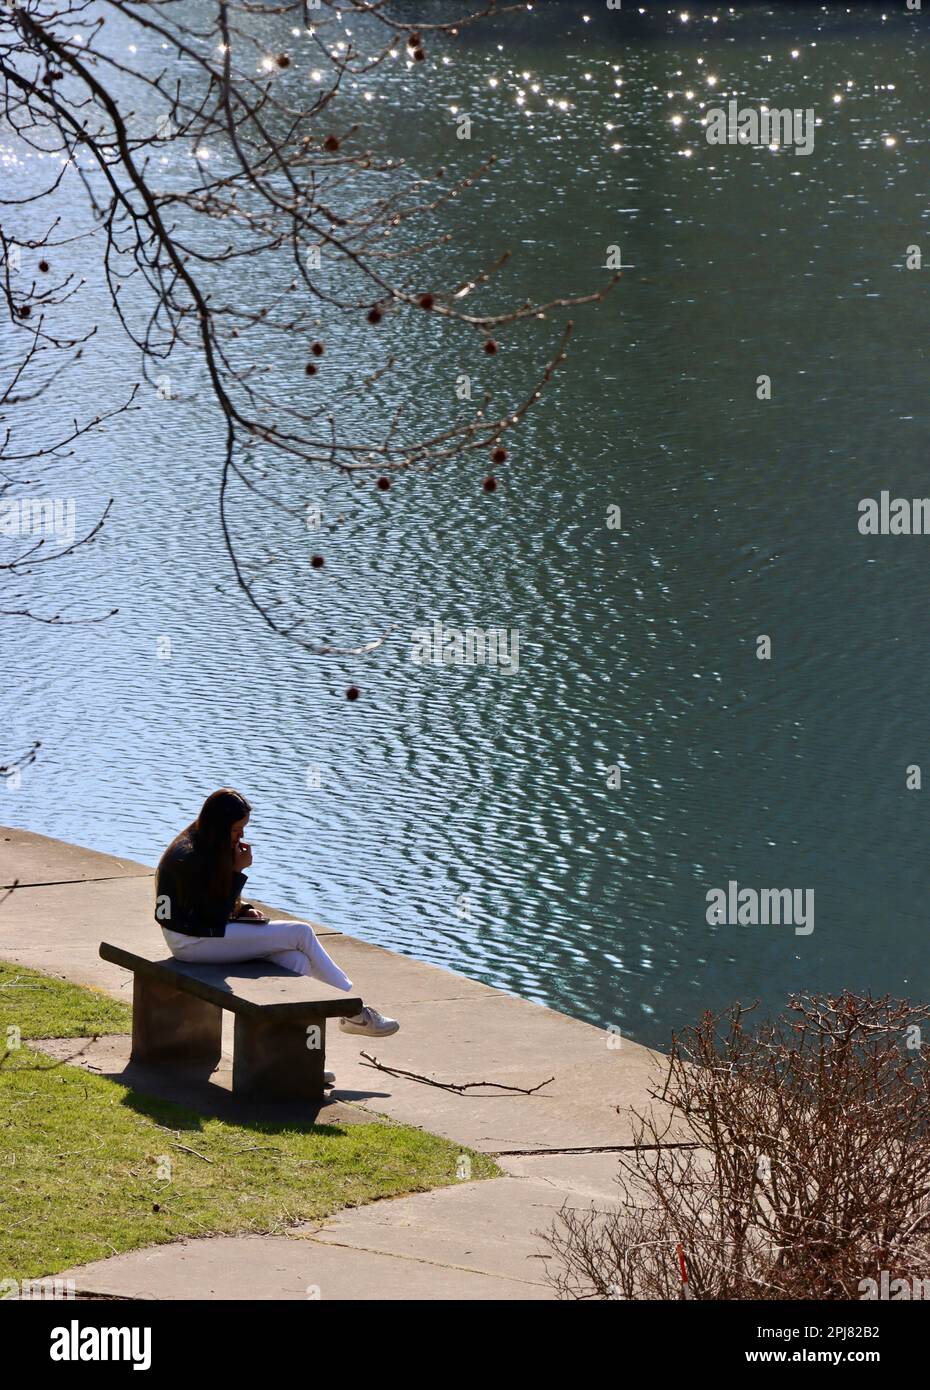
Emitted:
pixel 465 816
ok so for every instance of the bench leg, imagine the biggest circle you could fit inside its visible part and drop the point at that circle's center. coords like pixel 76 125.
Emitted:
pixel 169 1025
pixel 274 1059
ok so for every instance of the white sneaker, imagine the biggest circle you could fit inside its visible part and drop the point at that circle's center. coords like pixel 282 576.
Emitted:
pixel 371 1022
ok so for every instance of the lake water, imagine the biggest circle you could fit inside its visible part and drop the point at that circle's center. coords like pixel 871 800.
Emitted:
pixel 465 815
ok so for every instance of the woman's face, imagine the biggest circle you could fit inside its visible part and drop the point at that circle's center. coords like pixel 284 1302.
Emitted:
pixel 238 830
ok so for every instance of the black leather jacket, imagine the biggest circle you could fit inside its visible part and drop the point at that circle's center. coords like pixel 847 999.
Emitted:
pixel 182 901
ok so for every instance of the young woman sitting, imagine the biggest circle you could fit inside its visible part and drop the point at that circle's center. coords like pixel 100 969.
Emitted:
pixel 201 913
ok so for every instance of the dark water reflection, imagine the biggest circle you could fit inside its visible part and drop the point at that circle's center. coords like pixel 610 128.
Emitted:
pixel 464 816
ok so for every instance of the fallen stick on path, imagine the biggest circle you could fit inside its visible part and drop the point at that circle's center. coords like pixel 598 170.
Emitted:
pixel 452 1085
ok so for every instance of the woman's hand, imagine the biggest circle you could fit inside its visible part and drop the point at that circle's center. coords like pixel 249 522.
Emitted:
pixel 248 913
pixel 242 857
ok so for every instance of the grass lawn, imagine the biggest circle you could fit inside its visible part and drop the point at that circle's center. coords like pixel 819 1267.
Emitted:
pixel 89 1168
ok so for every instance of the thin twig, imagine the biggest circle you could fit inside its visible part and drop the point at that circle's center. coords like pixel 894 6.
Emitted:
pixel 458 1087
pixel 194 1152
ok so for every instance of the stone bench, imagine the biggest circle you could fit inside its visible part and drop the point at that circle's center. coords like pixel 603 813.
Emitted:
pixel 279 1048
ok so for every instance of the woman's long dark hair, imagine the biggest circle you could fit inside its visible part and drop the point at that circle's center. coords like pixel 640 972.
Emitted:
pixel 209 836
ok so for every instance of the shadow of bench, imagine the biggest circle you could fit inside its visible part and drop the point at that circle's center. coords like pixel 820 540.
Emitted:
pixel 279 1046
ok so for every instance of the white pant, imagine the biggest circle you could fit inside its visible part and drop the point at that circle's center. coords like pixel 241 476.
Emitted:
pixel 291 944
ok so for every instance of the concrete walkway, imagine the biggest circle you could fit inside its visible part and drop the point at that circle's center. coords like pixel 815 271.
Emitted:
pixel 476 1240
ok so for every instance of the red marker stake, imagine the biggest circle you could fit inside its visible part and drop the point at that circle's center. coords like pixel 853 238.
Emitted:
pixel 685 1286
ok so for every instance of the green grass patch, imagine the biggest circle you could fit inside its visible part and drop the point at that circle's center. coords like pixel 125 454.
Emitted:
pixel 90 1168
pixel 42 1007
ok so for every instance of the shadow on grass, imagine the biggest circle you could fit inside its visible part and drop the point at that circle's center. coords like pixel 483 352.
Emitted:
pixel 192 1087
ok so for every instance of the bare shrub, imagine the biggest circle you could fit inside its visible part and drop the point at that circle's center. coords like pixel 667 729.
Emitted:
pixel 805 1169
